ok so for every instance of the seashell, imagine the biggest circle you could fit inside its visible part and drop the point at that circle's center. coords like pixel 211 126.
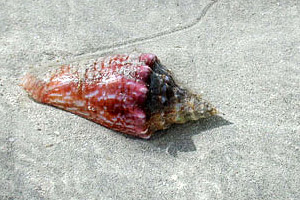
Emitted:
pixel 130 93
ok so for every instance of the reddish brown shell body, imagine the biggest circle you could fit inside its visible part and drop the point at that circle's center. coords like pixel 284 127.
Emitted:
pixel 133 94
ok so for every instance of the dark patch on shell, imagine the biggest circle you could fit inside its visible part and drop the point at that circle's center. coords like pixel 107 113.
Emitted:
pixel 163 90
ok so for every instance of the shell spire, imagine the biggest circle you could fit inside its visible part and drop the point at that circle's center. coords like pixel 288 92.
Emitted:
pixel 133 94
pixel 170 103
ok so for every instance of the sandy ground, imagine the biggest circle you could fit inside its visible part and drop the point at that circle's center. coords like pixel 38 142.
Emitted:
pixel 244 55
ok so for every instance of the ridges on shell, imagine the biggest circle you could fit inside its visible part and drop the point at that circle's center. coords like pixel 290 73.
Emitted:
pixel 133 94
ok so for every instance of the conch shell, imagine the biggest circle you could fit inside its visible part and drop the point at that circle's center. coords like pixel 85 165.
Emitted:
pixel 130 93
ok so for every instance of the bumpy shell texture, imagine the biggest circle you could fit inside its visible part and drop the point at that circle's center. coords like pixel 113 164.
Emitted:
pixel 130 93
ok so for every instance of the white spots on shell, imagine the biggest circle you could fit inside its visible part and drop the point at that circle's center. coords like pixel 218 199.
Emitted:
pixel 64 79
pixel 55 95
pixel 111 96
pixel 91 108
pixel 79 103
pixel 101 118
pixel 103 68
pixel 67 97
pixel 143 90
pixel 105 120
pixel 119 124
pixel 130 83
pixel 141 115
pixel 58 101
pixel 92 94
pixel 129 126
pixel 127 71
pixel 101 98
pixel 109 122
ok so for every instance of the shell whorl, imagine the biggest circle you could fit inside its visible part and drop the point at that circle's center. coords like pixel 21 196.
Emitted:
pixel 168 103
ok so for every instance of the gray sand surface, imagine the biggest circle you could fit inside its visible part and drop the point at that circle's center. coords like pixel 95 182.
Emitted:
pixel 244 56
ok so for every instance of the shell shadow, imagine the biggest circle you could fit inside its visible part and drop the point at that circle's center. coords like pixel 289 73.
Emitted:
pixel 178 138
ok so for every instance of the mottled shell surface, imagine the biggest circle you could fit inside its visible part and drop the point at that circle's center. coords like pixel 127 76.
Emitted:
pixel 130 93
